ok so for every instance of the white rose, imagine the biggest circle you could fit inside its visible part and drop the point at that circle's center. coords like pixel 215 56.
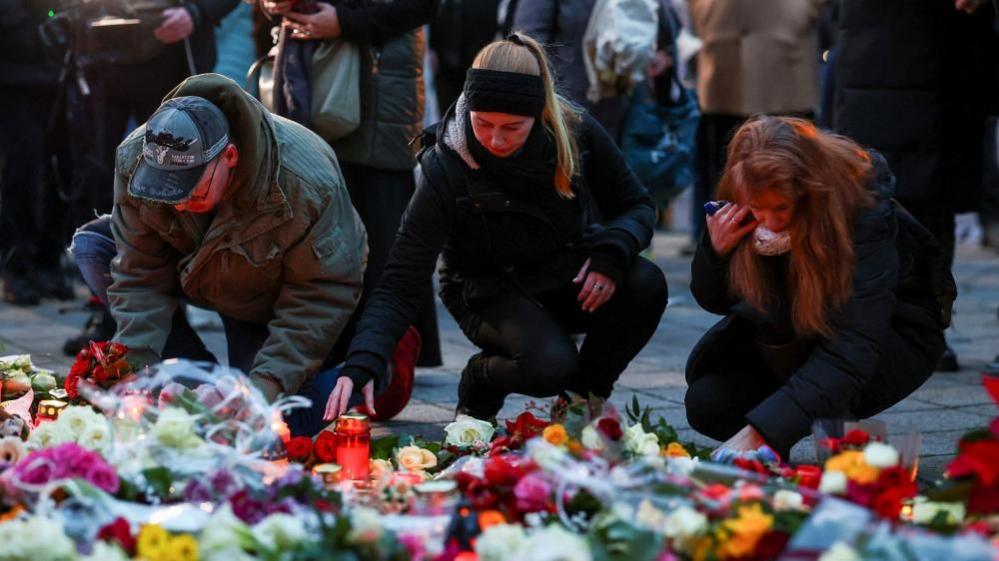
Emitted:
pixel 381 470
pixel 546 455
pixel 96 437
pixel 923 511
pixel 641 443
pixel 880 455
pixel 788 500
pixel 36 538
pixel 224 533
pixel 833 483
pixel 280 532
pixel 414 458
pixel 47 435
pixel 840 552
pixel 591 439
pixel 467 431
pixel 651 517
pixel 685 523
pixel 175 428
pixel 554 543
pixel 77 419
pixel 500 542
pixel 365 525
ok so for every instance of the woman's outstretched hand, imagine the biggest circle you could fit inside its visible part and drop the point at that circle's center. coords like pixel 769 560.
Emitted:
pixel 336 404
pixel 726 229
pixel 745 440
pixel 597 288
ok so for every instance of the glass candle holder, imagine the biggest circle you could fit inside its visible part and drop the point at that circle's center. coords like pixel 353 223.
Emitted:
pixel 435 498
pixel 353 450
pixel 329 473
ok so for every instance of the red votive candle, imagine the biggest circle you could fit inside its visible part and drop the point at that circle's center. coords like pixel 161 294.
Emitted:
pixel 353 445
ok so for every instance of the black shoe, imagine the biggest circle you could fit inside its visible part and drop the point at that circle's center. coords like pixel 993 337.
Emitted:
pixel 100 326
pixel 475 396
pixel 948 361
pixel 20 291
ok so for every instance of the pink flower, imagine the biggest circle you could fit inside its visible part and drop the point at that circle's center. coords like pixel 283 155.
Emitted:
pixel 750 492
pixel 103 477
pixel 36 470
pixel 532 493
pixel 413 545
pixel 71 459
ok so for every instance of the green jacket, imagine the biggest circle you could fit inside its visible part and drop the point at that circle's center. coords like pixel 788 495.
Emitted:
pixel 286 249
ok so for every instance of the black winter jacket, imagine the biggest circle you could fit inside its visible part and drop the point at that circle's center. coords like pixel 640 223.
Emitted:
pixel 901 282
pixel 491 242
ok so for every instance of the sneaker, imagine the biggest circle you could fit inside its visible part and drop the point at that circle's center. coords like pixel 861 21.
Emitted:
pixel 100 326
pixel 402 373
pixel 53 283
pixel 20 291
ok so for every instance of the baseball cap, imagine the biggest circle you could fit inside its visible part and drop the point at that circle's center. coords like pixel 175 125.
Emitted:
pixel 182 137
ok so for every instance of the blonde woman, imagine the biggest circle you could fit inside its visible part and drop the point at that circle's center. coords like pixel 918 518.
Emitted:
pixel 539 223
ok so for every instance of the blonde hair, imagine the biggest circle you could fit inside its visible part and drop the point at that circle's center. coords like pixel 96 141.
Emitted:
pixel 560 116
pixel 826 174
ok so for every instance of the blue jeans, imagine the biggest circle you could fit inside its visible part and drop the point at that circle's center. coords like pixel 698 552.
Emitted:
pixel 93 248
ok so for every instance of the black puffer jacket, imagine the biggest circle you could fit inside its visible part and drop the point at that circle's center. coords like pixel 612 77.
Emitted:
pixel 491 241
pixel 901 283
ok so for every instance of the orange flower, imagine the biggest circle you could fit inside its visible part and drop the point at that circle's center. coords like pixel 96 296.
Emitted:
pixel 555 434
pixel 846 461
pixel 675 450
pixel 863 474
pixel 489 518
pixel 739 536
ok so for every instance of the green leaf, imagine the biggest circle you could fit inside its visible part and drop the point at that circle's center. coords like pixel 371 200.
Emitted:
pixel 381 448
pixel 160 480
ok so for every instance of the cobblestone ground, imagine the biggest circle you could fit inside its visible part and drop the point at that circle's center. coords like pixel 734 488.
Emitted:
pixel 944 408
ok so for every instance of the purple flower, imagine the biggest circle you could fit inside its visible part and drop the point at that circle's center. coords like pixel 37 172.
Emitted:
pixel 103 477
pixel 197 492
pixel 223 483
pixel 532 492
pixel 247 509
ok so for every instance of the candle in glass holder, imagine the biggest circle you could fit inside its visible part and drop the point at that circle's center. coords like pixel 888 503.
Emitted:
pixel 330 474
pixel 435 498
pixel 353 450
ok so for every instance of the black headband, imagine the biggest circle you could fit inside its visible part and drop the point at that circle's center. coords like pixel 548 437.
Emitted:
pixel 495 91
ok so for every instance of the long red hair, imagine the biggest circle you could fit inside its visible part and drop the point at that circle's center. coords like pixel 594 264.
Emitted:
pixel 826 175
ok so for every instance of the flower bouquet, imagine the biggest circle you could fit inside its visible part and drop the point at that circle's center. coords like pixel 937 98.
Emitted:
pixel 101 364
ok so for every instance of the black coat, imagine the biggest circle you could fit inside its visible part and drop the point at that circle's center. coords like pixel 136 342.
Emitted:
pixel 23 61
pixel 914 80
pixel 492 242
pixel 902 284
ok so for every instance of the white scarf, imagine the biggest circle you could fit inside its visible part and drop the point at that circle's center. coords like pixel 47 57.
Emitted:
pixel 766 242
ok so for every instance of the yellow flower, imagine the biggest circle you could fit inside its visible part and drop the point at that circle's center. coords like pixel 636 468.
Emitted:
pixel 152 542
pixel 744 531
pixel 183 548
pixel 555 434
pixel 701 548
pixel 845 461
pixel 675 450
pixel 863 474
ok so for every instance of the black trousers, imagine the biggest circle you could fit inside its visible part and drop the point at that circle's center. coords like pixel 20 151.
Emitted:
pixel 733 378
pixel 527 345
pixel 380 197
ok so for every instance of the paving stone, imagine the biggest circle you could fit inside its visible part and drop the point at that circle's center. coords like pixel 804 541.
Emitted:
pixel 931 469
pixel 953 396
pixel 940 443
pixel 941 420
pixel 988 411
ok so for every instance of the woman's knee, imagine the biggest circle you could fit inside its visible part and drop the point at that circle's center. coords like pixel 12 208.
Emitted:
pixel 645 285
pixel 549 367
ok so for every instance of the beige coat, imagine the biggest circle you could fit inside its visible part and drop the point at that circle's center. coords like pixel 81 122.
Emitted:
pixel 759 56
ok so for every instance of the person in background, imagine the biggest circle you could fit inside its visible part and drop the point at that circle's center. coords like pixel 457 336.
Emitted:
pixel 916 81
pixel 539 224
pixel 835 299
pixel 459 32
pixel 756 58
pixel 378 158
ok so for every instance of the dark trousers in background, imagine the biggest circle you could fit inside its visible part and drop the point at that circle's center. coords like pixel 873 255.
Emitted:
pixel 381 197
pixel 93 249
pixel 733 378
pixel 527 345
pixel 714 130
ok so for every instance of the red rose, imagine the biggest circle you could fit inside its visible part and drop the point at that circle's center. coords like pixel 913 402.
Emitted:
pixel 611 428
pixel 480 495
pixel 502 445
pixel 119 531
pixel 299 448
pixel 498 471
pixel 750 465
pixel 100 374
pixel 325 447
pixel 889 503
pixel 809 476
pixel 526 427
pixel 983 500
pixel 72 385
pixel 897 478
pixel 857 438
pixel 863 495
pixel 979 458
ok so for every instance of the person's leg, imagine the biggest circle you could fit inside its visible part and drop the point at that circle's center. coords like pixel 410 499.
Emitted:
pixel 617 331
pixel 908 359
pixel 524 350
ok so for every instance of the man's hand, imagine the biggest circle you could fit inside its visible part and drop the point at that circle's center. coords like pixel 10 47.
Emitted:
pixel 324 24
pixel 745 440
pixel 726 229
pixel 177 25
pixel 597 288
pixel 336 404
pixel 968 6
pixel 276 7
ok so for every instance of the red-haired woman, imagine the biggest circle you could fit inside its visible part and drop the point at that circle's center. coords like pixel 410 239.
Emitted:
pixel 835 298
